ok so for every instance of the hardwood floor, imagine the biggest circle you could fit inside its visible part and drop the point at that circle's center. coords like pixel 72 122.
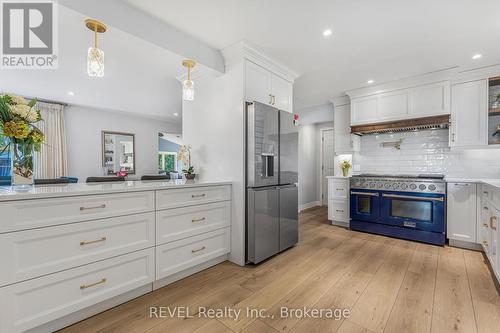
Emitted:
pixel 389 285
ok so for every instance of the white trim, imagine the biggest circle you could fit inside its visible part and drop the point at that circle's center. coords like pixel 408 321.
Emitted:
pixel 246 50
pixel 341 223
pixel 309 205
pixel 321 133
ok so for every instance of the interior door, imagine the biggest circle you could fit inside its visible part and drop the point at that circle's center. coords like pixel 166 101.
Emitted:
pixel 327 168
pixel 263 225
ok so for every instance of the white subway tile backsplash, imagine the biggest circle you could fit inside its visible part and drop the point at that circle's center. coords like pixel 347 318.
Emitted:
pixel 425 152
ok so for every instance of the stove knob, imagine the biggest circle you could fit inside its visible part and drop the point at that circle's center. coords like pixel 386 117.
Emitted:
pixel 395 186
pixel 372 185
pixel 432 187
pixel 387 185
pixel 363 184
pixel 413 186
pixel 404 186
pixel 380 185
pixel 422 187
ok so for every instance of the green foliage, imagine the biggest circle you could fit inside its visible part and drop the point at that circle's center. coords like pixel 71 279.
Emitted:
pixel 189 170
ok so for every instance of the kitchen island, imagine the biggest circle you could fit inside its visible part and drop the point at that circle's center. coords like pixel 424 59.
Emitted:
pixel 74 250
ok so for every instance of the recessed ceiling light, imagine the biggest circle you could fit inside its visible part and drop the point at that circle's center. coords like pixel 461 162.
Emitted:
pixel 370 81
pixel 327 32
pixel 477 56
pixel 71 93
pixel 176 114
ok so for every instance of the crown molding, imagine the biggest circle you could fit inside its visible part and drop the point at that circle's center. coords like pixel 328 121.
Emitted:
pixel 340 100
pixel 245 50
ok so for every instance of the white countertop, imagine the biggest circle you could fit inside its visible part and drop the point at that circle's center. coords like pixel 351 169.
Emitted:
pixel 492 182
pixel 8 193
pixel 338 177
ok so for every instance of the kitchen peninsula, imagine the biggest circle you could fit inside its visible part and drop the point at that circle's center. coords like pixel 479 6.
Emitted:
pixel 77 249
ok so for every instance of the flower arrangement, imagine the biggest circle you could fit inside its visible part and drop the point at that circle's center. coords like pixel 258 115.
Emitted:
pixel 345 165
pixel 184 155
pixel 17 125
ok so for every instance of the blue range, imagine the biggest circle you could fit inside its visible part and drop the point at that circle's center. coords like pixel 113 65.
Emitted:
pixel 402 206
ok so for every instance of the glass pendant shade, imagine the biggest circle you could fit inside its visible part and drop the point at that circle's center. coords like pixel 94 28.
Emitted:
pixel 95 62
pixel 188 90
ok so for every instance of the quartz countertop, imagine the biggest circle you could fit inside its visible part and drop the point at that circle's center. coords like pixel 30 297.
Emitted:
pixel 338 177
pixel 492 182
pixel 8 193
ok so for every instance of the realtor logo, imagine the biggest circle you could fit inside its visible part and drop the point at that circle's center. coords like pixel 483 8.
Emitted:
pixel 28 35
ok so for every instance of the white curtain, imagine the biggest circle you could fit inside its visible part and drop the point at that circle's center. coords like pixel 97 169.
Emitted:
pixel 51 161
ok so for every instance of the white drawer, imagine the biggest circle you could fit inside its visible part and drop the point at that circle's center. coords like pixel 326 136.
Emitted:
pixel 338 189
pixel 31 303
pixel 180 255
pixel 166 199
pixel 338 211
pixel 175 224
pixel 37 252
pixel 28 214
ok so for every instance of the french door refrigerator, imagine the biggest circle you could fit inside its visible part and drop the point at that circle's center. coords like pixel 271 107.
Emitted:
pixel 271 182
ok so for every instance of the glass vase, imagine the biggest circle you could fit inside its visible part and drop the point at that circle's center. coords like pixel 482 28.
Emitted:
pixel 345 172
pixel 22 159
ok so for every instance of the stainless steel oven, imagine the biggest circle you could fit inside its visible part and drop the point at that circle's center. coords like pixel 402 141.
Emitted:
pixel 365 205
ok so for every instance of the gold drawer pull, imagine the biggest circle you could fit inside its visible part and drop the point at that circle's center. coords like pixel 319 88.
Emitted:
pixel 198 250
pixel 85 286
pixel 95 207
pixel 485 243
pixel 198 220
pixel 485 192
pixel 485 208
pixel 198 195
pixel 339 189
pixel 485 225
pixel 493 226
pixel 103 239
pixel 339 210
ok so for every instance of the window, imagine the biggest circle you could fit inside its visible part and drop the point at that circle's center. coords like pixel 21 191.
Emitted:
pixel 167 161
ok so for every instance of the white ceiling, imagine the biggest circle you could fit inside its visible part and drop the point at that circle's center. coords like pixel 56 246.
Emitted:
pixel 139 76
pixel 382 40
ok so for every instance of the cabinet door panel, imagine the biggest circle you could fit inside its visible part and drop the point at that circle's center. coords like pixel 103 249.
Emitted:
pixel 364 110
pixel 344 140
pixel 282 92
pixel 257 83
pixel 393 105
pixel 430 99
pixel 469 112
pixel 461 212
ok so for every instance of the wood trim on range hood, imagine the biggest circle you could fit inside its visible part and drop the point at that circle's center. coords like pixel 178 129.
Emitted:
pixel 403 125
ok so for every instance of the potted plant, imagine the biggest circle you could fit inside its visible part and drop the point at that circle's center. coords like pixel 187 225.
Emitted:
pixel 184 155
pixel 17 125
pixel 345 165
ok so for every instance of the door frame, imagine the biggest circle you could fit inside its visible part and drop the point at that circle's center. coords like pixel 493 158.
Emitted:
pixel 321 133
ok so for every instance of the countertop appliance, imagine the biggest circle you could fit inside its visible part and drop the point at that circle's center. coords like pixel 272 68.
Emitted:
pixel 271 181
pixel 404 206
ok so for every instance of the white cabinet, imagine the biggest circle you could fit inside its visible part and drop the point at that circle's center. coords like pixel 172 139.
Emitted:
pixel 338 200
pixel 430 100
pixel 425 100
pixel 345 142
pixel 263 86
pixel 469 114
pixel 462 212
pixel 490 215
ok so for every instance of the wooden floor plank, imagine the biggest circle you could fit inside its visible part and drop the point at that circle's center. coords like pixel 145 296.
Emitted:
pixel 350 327
pixel 412 312
pixel 453 310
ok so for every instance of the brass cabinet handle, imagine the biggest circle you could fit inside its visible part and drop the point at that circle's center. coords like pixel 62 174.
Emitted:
pixel 85 286
pixel 339 210
pixel 485 243
pixel 485 192
pixel 274 100
pixel 95 207
pixel 453 137
pixel 485 208
pixel 340 189
pixel 102 239
pixel 199 220
pixel 198 250
pixel 491 222
pixel 270 99
pixel 485 225
pixel 198 195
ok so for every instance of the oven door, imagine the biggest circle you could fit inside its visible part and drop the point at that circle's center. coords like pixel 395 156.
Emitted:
pixel 365 205
pixel 421 211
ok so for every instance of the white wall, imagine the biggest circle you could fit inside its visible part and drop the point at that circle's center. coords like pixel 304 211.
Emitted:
pixel 83 132
pixel 308 170
pixel 214 125
pixel 425 152
pixel 316 114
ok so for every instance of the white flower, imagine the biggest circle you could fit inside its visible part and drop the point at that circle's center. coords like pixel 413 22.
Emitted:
pixel 19 100
pixel 25 112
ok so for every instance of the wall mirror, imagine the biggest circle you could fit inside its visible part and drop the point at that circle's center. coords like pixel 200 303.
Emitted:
pixel 118 152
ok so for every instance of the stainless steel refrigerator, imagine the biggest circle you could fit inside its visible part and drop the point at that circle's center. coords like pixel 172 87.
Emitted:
pixel 271 182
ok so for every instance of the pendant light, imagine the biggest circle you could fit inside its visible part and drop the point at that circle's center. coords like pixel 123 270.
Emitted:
pixel 188 85
pixel 95 56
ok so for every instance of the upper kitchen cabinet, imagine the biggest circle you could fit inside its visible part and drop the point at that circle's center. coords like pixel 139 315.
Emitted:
pixel 469 110
pixel 264 86
pixel 345 142
pixel 400 101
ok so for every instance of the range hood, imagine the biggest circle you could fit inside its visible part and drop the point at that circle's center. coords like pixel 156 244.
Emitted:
pixel 403 125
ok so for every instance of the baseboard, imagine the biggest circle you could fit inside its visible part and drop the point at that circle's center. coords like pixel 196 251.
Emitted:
pixel 309 205
pixel 91 310
pixel 465 245
pixel 190 271
pixel 340 223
